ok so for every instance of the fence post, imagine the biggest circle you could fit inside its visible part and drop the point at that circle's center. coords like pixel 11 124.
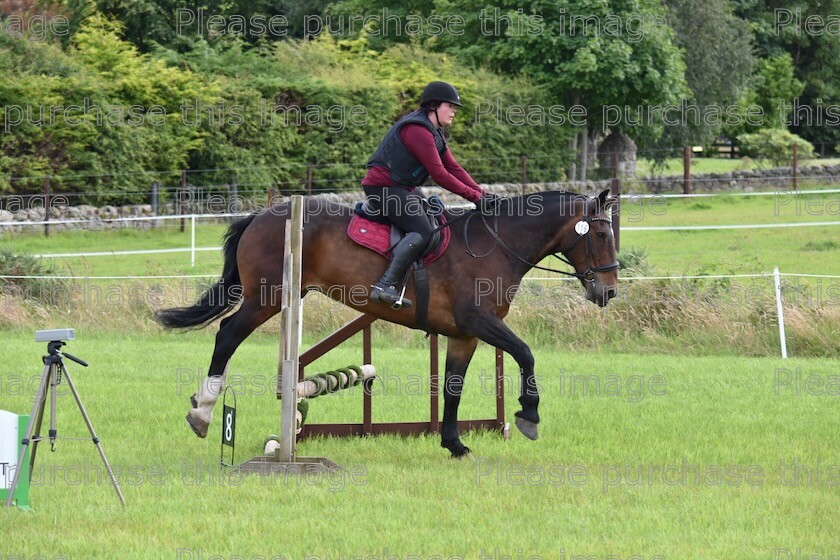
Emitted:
pixel 778 284
pixel 687 170
pixel 192 240
pixel 615 216
pixel 795 163
pixel 154 202
pixel 154 199
pixel 181 198
pixel 234 196
pixel 584 154
pixel 308 178
pixel 434 384
pixel 47 204
pixel 524 172
pixel 270 197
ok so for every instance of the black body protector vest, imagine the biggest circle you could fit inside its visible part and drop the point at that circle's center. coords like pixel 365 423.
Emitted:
pixel 392 153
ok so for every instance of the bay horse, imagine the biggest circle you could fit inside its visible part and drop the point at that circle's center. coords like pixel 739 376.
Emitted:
pixel 469 294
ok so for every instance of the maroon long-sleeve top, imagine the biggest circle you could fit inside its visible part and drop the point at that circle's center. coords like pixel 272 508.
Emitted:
pixel 444 170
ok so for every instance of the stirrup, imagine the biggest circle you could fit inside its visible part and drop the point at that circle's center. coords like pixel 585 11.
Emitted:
pixel 389 295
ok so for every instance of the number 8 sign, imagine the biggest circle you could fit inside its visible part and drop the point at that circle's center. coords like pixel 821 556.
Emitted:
pixel 228 427
pixel 229 433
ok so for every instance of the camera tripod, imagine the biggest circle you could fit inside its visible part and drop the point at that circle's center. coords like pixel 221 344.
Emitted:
pixel 54 371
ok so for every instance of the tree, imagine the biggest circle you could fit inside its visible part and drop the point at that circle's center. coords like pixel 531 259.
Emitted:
pixel 99 109
pixel 719 59
pixel 771 91
pixel 775 86
pixel 808 31
pixel 179 23
pixel 616 58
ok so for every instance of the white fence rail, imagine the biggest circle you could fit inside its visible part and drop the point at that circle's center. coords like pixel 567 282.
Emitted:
pixel 192 249
pixel 728 194
pixel 775 275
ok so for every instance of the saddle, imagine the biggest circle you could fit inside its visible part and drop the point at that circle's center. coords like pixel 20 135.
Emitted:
pixel 376 233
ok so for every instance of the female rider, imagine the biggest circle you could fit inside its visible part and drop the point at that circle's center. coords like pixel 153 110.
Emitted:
pixel 413 150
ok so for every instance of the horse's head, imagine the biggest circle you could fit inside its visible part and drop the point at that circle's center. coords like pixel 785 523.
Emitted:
pixel 590 248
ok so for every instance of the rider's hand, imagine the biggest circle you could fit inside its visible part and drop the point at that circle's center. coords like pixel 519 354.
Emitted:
pixel 488 202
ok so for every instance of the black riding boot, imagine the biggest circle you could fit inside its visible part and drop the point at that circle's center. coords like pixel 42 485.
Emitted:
pixel 405 253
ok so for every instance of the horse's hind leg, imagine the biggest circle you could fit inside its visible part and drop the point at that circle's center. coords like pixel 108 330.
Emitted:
pixel 233 330
pixel 493 331
pixel 459 352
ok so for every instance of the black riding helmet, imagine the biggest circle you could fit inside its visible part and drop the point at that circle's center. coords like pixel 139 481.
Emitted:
pixel 440 91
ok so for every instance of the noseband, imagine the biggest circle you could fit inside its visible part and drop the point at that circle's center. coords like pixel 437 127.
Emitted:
pixel 585 233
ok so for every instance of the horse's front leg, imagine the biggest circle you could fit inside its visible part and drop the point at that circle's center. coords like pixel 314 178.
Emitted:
pixel 459 352
pixel 233 331
pixel 493 331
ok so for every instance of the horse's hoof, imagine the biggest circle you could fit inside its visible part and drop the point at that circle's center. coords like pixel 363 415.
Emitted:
pixel 528 428
pixel 199 426
pixel 455 447
pixel 463 452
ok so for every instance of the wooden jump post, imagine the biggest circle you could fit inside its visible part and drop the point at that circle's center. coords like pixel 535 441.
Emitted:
pixel 284 459
pixel 367 426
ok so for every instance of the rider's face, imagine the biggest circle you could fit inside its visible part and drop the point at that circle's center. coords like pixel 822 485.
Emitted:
pixel 446 112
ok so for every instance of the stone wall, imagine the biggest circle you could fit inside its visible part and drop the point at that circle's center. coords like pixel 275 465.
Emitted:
pixel 743 181
pixel 97 218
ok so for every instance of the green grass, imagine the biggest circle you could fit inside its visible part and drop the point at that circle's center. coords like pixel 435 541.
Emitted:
pixel 739 252
pixel 403 497
pixel 778 208
pixel 511 496
pixel 170 237
pixel 801 249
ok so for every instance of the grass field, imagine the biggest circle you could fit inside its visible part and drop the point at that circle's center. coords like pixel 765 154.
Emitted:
pixel 810 249
pixel 661 436
pixel 662 456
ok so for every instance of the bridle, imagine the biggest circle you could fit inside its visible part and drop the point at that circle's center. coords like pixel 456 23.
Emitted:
pixel 591 266
pixel 583 233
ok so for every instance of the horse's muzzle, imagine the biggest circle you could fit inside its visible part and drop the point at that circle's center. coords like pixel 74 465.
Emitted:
pixel 599 294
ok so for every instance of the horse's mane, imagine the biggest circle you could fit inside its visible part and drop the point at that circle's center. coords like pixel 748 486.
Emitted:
pixel 524 205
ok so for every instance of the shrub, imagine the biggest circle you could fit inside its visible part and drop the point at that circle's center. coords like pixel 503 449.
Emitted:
pixel 27 280
pixel 634 262
pixel 775 145
pixel 258 114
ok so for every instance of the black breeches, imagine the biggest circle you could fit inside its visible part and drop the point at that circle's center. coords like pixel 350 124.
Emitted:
pixel 404 209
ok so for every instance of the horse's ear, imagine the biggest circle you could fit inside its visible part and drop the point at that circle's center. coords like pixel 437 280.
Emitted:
pixel 602 198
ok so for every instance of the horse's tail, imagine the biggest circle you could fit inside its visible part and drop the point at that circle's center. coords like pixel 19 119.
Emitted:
pixel 219 298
